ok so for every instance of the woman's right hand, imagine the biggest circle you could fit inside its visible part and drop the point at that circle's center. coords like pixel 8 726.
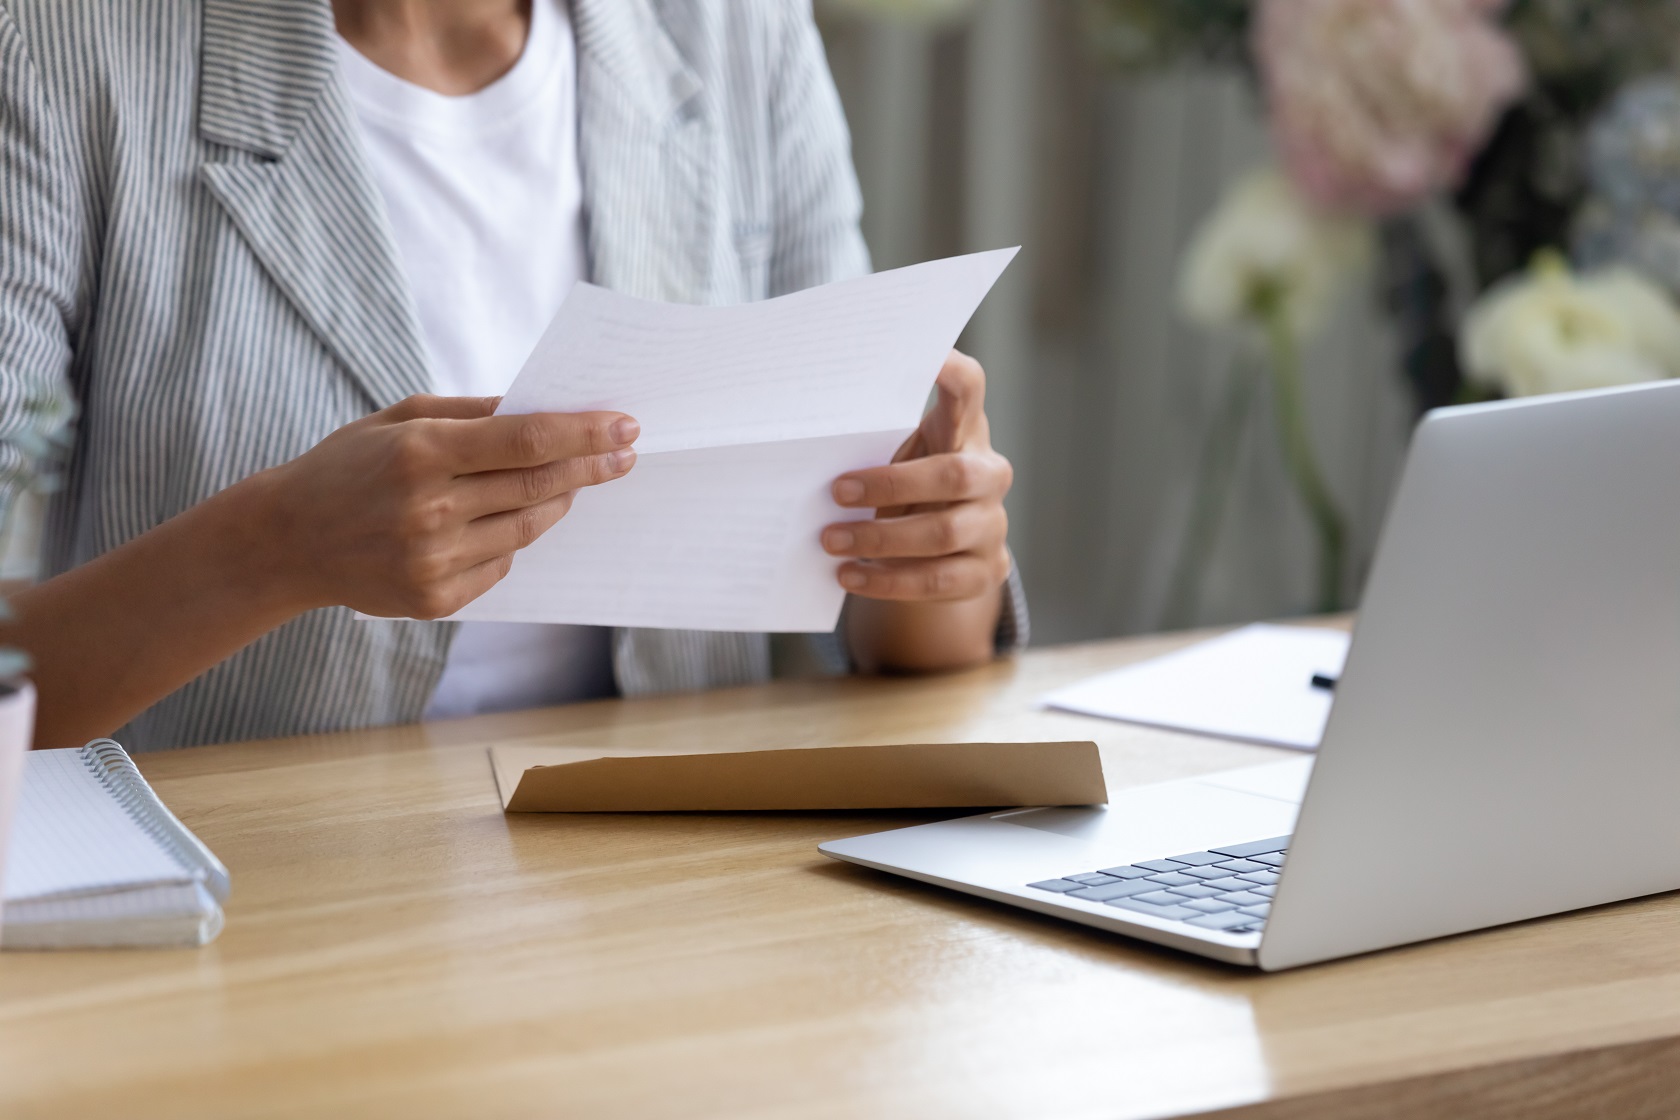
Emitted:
pixel 415 511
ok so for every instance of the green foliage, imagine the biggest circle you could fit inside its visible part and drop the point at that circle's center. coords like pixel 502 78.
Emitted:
pixel 1140 34
pixel 1529 182
pixel 13 663
pixel 1581 51
pixel 34 445
pixel 35 442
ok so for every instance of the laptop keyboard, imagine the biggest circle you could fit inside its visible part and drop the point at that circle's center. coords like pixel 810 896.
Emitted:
pixel 1226 889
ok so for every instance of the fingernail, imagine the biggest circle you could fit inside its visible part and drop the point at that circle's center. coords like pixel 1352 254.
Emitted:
pixel 621 460
pixel 852 579
pixel 847 491
pixel 839 540
pixel 625 430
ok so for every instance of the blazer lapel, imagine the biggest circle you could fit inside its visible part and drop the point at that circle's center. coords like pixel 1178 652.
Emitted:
pixel 298 188
pixel 642 144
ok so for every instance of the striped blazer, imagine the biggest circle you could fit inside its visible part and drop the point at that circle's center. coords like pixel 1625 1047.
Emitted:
pixel 192 244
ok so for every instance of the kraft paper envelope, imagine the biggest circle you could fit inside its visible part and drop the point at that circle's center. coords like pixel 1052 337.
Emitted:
pixel 916 776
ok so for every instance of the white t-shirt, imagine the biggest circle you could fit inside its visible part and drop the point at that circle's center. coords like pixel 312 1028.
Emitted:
pixel 485 197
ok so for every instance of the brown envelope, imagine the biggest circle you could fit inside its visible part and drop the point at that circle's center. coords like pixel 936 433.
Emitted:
pixel 920 776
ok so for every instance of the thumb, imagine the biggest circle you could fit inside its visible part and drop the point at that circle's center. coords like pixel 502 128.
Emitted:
pixel 958 417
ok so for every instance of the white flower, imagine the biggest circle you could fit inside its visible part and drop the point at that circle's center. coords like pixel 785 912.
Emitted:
pixel 1551 331
pixel 1266 252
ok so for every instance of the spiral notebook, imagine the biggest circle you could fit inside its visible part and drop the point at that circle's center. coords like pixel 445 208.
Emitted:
pixel 97 861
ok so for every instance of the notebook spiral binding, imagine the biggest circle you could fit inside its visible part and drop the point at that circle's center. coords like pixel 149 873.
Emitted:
pixel 110 764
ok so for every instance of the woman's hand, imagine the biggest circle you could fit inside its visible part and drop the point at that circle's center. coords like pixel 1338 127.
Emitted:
pixel 417 510
pixel 414 511
pixel 936 554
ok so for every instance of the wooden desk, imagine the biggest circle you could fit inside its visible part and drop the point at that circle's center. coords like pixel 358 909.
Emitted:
pixel 395 946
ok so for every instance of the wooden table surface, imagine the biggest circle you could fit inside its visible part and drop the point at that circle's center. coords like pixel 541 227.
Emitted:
pixel 395 946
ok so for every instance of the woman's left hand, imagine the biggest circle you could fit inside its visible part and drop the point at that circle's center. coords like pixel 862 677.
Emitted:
pixel 940 533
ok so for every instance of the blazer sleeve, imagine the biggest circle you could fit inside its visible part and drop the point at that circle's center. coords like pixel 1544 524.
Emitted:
pixel 39 249
pixel 818 207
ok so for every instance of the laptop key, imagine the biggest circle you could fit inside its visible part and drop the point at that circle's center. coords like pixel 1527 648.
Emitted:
pixel 1209 905
pixel 1264 910
pixel 1194 890
pixel 1270 859
pixel 1256 848
pixel 1127 872
pixel 1197 859
pixel 1160 898
pixel 1245 898
pixel 1060 886
pixel 1171 913
pixel 1173 879
pixel 1229 883
pixel 1267 891
pixel 1264 878
pixel 1093 878
pixel 1228 920
pixel 1159 865
pixel 1114 890
pixel 1238 866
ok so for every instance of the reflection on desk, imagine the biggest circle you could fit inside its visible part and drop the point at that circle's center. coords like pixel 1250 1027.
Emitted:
pixel 396 946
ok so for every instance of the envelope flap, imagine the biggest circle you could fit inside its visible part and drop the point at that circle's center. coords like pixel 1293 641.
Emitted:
pixel 900 776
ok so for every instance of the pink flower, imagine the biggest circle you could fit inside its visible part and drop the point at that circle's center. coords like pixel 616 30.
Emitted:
pixel 1377 103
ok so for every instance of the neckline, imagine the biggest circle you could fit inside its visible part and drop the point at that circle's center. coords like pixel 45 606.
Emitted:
pixel 384 98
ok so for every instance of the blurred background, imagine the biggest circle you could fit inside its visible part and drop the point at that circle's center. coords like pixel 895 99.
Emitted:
pixel 1260 238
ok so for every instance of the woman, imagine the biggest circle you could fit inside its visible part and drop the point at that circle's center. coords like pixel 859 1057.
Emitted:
pixel 286 254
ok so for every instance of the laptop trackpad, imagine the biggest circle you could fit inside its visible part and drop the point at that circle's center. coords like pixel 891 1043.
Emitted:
pixel 1285 781
pixel 1226 808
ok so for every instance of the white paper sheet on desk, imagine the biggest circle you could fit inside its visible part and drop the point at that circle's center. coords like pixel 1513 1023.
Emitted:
pixel 748 414
pixel 1254 684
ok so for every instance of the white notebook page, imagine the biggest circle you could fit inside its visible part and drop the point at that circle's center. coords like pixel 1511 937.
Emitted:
pixel 1253 684
pixel 72 837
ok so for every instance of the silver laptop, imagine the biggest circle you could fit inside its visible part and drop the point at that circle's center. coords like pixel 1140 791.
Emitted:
pixel 1505 739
